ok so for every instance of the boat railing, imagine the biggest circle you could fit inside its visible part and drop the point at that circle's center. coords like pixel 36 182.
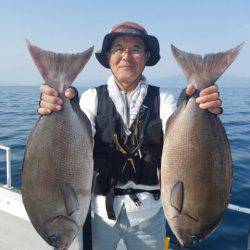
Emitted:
pixel 236 208
pixel 8 166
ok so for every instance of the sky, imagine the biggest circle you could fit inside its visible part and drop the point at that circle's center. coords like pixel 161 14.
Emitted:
pixel 73 26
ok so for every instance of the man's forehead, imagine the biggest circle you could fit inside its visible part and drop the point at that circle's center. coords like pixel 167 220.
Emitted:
pixel 124 40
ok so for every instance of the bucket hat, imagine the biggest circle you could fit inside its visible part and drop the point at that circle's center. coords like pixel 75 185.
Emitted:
pixel 129 29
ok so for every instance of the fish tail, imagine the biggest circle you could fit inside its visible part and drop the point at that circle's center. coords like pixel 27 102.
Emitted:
pixel 58 68
pixel 204 71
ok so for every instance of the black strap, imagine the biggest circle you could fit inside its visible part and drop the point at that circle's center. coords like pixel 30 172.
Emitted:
pixel 109 200
pixel 87 233
pixel 120 191
pixel 133 194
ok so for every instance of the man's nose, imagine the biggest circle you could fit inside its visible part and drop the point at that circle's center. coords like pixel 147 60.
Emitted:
pixel 126 54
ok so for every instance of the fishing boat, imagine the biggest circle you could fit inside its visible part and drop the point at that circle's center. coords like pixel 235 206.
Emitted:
pixel 17 232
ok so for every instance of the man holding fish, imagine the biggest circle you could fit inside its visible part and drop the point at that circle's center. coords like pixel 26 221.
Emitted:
pixel 128 117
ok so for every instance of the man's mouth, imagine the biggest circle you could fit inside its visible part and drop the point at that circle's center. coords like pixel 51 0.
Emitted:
pixel 126 66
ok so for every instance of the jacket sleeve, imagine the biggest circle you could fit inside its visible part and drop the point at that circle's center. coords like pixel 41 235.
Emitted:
pixel 88 104
pixel 167 107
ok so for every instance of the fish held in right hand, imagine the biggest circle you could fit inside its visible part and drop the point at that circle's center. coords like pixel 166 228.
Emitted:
pixel 58 162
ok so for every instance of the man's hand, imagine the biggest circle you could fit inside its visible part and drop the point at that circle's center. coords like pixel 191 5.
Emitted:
pixel 209 98
pixel 50 100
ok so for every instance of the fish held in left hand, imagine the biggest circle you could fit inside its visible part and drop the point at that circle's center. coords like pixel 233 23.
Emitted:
pixel 58 161
pixel 196 168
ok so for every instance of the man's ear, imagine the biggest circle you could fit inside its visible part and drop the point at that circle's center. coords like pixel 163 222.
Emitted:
pixel 108 55
pixel 147 55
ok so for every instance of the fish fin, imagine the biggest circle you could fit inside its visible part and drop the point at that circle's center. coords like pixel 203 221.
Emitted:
pixel 169 121
pixel 29 142
pixel 183 98
pixel 58 67
pixel 204 71
pixel 84 119
pixel 177 196
pixel 70 199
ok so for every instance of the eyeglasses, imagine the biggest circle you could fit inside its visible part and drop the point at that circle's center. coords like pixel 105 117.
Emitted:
pixel 134 51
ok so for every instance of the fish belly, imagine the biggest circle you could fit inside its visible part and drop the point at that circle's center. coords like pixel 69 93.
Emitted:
pixel 196 155
pixel 59 151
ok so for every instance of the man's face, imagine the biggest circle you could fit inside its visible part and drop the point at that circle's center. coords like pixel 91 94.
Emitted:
pixel 127 59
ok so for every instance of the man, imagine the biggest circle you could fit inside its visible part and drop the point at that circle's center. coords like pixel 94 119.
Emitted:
pixel 128 117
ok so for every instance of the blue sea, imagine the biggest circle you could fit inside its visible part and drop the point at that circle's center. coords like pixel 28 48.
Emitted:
pixel 18 114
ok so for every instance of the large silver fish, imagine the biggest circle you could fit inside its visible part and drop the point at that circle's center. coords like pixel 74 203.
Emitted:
pixel 196 168
pixel 58 162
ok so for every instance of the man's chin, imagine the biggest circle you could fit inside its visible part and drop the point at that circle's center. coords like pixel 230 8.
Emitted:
pixel 128 80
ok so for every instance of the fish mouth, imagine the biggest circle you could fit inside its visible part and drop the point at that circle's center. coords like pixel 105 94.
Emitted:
pixel 62 248
pixel 186 229
pixel 192 240
pixel 60 245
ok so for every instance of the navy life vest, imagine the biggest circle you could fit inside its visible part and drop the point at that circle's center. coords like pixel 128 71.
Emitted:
pixel 121 157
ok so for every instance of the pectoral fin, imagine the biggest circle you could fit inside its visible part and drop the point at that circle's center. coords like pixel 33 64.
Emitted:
pixel 70 199
pixel 177 196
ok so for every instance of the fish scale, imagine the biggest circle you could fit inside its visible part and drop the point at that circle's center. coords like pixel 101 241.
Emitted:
pixel 58 161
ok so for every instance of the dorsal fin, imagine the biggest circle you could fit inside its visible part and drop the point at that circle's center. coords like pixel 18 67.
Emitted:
pixel 58 68
pixel 204 71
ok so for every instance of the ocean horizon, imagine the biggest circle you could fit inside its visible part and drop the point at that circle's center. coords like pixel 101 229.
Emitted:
pixel 173 81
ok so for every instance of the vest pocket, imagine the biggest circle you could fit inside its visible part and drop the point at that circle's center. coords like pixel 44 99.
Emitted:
pixel 149 170
pixel 103 124
pixel 154 132
pixel 103 120
pixel 103 179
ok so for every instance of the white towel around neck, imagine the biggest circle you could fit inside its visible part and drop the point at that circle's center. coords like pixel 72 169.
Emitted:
pixel 135 99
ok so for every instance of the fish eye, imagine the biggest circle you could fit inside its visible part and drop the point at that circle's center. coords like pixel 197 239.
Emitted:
pixel 194 239
pixel 52 240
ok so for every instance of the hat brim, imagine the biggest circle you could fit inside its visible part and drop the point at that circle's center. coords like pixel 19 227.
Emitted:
pixel 151 42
